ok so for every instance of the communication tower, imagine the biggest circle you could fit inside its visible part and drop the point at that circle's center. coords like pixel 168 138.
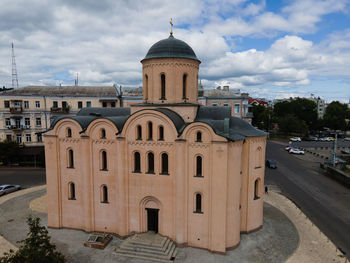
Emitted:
pixel 14 69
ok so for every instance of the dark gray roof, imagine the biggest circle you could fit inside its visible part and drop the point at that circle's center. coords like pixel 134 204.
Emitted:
pixel 171 48
pixel 218 117
pixel 85 116
pixel 223 124
pixel 64 91
pixel 174 117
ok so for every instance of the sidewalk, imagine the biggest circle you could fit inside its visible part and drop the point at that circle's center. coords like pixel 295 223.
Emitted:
pixel 5 246
pixel 314 246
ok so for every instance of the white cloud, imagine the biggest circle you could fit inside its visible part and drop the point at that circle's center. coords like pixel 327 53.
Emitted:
pixel 105 40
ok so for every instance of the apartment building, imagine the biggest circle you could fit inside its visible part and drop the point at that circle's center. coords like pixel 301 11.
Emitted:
pixel 26 112
pixel 224 96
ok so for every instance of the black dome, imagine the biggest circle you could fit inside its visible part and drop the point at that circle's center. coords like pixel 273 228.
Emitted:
pixel 171 48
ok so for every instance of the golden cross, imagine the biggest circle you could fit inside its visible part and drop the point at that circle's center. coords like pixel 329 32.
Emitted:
pixel 171 26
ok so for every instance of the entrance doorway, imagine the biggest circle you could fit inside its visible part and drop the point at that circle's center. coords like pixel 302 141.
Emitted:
pixel 152 219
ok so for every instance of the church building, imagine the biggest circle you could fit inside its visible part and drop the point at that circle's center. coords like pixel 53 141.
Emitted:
pixel 190 172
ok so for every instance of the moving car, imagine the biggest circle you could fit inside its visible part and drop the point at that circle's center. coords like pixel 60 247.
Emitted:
pixel 271 164
pixel 8 188
pixel 295 139
pixel 296 151
pixel 289 147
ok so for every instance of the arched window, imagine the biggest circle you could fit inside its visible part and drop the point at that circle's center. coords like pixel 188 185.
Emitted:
pixel 70 158
pixel 184 83
pixel 165 163
pixel 198 203
pixel 150 159
pixel 69 132
pixel 138 132
pixel 104 194
pixel 71 191
pixel 256 189
pixel 199 166
pixel 150 131
pixel 199 137
pixel 145 95
pixel 162 91
pixel 161 133
pixel 137 162
pixel 104 160
pixel 103 134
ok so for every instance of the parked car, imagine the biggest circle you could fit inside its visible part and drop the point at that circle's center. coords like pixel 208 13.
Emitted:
pixel 296 151
pixel 288 148
pixel 271 164
pixel 295 139
pixel 8 188
pixel 347 139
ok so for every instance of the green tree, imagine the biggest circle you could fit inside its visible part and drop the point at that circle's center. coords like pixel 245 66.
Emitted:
pixel 335 116
pixel 261 117
pixel 36 248
pixel 291 124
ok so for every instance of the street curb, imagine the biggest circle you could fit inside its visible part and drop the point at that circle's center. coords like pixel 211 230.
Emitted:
pixel 5 245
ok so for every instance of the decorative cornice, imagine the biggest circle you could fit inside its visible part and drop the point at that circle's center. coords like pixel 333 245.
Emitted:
pixel 102 141
pixel 199 145
pixel 71 140
pixel 151 143
pixel 177 64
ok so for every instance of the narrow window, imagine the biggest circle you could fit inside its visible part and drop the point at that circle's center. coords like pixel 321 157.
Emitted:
pixel 256 189
pixel 137 162
pixel 104 195
pixel 70 159
pixel 71 193
pixel 199 166
pixel 104 160
pixel 198 203
pixel 80 104
pixel 138 132
pixel 150 131
pixel 184 82
pixel 162 77
pixel 150 157
pixel 69 133
pixel 146 88
pixel 165 164
pixel 161 133
pixel 103 134
pixel 199 137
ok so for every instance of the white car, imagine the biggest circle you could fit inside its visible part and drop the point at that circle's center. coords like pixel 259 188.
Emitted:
pixel 295 139
pixel 296 151
pixel 8 188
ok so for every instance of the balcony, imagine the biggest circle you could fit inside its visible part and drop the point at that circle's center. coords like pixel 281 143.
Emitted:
pixel 63 110
pixel 16 110
pixel 17 127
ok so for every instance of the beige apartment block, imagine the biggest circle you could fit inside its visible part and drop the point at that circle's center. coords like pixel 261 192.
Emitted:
pixel 191 172
pixel 25 112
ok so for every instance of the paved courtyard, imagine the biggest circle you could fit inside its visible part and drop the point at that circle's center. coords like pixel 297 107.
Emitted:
pixel 274 243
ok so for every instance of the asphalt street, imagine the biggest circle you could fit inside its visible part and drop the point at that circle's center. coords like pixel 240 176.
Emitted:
pixel 325 201
pixel 26 177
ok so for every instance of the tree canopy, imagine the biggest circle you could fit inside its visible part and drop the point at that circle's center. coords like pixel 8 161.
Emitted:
pixel 36 248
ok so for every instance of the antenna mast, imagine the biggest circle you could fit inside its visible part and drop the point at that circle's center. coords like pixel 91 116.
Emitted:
pixel 14 69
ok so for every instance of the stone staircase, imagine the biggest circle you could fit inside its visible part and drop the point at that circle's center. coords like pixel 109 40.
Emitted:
pixel 148 246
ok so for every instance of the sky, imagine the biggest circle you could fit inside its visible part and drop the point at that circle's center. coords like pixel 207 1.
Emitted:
pixel 268 48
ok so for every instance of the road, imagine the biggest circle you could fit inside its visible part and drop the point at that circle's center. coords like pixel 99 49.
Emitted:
pixel 26 177
pixel 323 200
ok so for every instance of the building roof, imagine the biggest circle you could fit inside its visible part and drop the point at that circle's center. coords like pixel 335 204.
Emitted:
pixel 218 117
pixel 171 47
pixel 63 91
pixel 223 124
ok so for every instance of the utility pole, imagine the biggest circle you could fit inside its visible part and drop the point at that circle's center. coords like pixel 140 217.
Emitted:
pixel 335 148
pixel 14 69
